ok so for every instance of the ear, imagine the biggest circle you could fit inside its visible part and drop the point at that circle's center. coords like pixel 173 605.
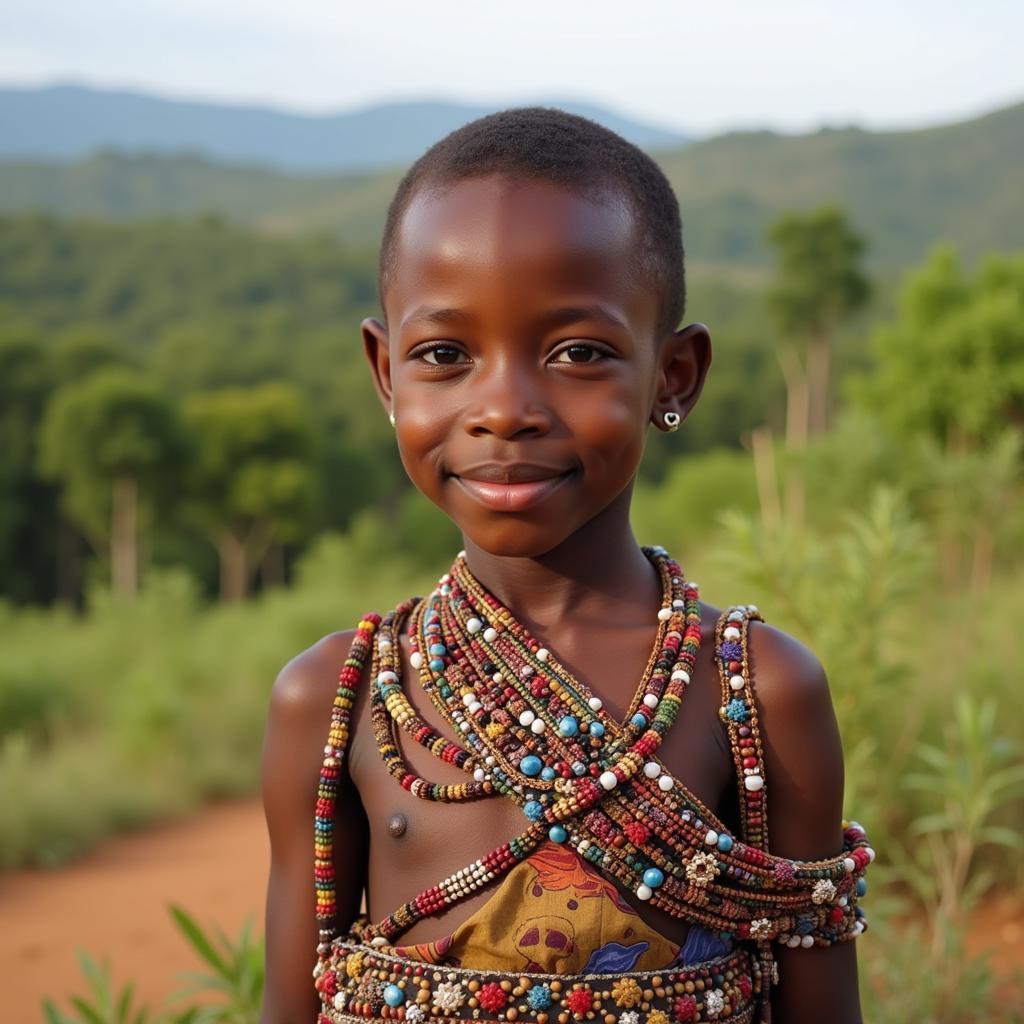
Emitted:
pixel 375 345
pixel 683 363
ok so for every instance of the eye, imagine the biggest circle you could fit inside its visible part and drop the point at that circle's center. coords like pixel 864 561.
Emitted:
pixel 580 353
pixel 444 355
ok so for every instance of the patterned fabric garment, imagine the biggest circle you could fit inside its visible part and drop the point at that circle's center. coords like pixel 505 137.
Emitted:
pixel 556 914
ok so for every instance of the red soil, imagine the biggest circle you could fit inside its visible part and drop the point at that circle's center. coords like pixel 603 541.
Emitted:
pixel 113 904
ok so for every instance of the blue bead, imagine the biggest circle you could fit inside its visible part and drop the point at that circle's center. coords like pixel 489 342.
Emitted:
pixel 393 995
pixel 725 843
pixel 579 768
pixel 534 810
pixel 557 834
pixel 596 729
pixel 531 765
pixel 737 711
pixel 653 877
pixel 438 649
pixel 568 726
pixel 862 886
pixel 639 720
pixel 539 997
pixel 436 665
pixel 547 773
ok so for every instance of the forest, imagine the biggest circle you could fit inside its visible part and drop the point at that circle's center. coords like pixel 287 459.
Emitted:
pixel 199 481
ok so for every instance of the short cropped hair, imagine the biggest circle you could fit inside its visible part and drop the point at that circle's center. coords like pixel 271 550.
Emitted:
pixel 548 144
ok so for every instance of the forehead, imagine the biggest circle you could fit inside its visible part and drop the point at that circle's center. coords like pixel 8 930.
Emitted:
pixel 505 246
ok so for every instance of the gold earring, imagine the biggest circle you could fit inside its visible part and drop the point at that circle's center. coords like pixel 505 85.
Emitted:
pixel 391 416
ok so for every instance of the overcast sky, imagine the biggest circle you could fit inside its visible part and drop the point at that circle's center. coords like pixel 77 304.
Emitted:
pixel 700 67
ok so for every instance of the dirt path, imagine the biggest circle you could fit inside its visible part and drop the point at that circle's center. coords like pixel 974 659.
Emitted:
pixel 114 903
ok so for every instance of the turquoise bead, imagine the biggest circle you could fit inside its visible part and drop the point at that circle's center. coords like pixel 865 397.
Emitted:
pixel 725 843
pixel 393 995
pixel 579 768
pixel 436 665
pixel 547 773
pixel 597 729
pixel 862 886
pixel 534 810
pixel 531 765
pixel 653 877
pixel 568 726
pixel 438 650
pixel 639 720
pixel 557 834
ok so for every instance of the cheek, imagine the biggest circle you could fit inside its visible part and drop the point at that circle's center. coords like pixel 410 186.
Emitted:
pixel 612 431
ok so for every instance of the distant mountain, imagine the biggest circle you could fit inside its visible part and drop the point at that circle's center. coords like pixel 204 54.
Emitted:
pixel 903 190
pixel 70 122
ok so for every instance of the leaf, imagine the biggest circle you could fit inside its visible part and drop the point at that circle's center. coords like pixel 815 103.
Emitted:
pixel 198 940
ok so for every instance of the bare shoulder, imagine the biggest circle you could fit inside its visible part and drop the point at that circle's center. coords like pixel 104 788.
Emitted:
pixel 802 748
pixel 302 685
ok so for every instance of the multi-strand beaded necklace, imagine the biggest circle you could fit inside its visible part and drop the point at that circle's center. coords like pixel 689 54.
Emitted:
pixel 531 732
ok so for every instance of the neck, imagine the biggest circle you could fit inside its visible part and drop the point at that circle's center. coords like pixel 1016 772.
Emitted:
pixel 596 576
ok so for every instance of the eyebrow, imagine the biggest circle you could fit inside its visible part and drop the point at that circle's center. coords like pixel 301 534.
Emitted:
pixel 554 318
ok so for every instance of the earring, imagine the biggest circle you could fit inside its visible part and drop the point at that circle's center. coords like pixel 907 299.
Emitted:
pixel 671 420
pixel 391 417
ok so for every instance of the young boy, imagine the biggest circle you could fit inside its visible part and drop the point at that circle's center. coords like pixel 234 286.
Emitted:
pixel 531 279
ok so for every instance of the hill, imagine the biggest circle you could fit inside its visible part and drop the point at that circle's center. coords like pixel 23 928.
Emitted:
pixel 70 122
pixel 902 189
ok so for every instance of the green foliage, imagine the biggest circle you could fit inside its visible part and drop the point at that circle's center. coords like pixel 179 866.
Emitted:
pixel 952 364
pixel 819 280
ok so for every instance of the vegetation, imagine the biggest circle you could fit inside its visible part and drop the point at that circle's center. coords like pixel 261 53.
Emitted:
pixel 203 366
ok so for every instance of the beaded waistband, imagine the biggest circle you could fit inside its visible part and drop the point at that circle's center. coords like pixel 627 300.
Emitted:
pixel 360 982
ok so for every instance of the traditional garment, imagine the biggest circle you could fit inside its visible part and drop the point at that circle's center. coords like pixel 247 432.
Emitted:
pixel 556 938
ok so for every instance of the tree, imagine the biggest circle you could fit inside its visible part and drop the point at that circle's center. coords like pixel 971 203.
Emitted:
pixel 951 366
pixel 252 483
pixel 818 283
pixel 115 443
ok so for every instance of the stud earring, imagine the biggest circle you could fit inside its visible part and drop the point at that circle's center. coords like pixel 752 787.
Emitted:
pixel 671 420
pixel 391 417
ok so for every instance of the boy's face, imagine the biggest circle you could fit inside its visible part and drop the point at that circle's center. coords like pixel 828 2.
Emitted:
pixel 520 359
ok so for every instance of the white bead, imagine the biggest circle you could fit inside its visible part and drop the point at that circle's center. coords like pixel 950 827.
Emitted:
pixel 753 783
pixel 474 625
pixel 665 783
pixel 652 769
pixel 807 941
pixel 468 698
pixel 465 726
pixel 609 780
pixel 387 676
pixel 678 603
pixel 711 839
pixel 475 707
pixel 681 674
pixel 752 607
pixel 849 865
pixel 644 892
pixel 736 682
pixel 537 726
pixel 490 633
pixel 595 703
pixel 497 677
pixel 527 717
pixel 664 614
pixel 543 654
pixel 732 633
pixel 870 852
pixel 735 616
pixel 416 659
pixel 842 901
pixel 650 700
pixel 479 775
pixel 490 761
pixel 378 940
pixel 696 586
pixel 794 941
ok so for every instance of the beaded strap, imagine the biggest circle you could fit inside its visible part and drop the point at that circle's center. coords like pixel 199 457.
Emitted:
pixel 739 713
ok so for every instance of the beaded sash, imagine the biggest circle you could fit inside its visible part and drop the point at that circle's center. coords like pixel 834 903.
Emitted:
pixel 620 809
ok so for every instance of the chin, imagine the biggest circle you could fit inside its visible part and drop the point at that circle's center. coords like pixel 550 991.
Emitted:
pixel 515 539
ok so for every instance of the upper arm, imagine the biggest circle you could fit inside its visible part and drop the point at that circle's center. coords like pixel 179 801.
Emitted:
pixel 804 771
pixel 297 727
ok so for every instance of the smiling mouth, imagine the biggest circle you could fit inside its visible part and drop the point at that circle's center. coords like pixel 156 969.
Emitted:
pixel 512 497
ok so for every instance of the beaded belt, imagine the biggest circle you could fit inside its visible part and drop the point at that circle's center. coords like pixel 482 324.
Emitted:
pixel 357 982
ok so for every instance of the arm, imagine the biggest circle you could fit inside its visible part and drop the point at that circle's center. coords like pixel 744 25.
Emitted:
pixel 297 725
pixel 804 768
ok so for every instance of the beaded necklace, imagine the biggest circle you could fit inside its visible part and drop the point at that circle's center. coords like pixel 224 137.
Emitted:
pixel 533 734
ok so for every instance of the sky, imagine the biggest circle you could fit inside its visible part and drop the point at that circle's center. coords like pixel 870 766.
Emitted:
pixel 700 68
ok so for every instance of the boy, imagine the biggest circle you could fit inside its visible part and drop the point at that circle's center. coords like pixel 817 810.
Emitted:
pixel 532 283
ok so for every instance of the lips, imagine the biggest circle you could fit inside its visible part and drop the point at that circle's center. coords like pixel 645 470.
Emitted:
pixel 511 487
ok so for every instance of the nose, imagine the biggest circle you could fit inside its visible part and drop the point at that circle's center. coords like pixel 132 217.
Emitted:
pixel 507 399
